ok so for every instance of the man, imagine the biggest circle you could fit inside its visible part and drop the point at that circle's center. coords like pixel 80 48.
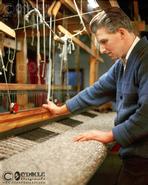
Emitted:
pixel 127 82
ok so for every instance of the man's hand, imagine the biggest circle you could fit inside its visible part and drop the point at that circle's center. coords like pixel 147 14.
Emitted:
pixel 102 136
pixel 56 110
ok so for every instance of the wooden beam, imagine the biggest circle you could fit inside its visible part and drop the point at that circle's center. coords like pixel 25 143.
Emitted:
pixel 10 121
pixel 79 43
pixel 11 43
pixel 7 30
pixel 49 11
pixel 56 8
pixel 114 3
pixel 31 87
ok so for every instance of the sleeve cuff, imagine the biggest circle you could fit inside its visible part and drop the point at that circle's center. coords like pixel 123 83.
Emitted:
pixel 121 136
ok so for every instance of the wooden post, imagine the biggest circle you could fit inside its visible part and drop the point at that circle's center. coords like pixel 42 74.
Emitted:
pixel 21 72
pixel 93 63
pixel 136 10
pixel 140 25
pixel 1 42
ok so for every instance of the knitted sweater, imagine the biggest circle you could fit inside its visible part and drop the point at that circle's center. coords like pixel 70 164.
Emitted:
pixel 129 88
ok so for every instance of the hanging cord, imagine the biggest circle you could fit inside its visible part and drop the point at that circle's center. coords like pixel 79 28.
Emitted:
pixel 49 77
pixel 67 81
pixel 68 47
pixel 38 46
pixel 59 19
pixel 71 46
pixel 32 31
pixel 54 12
pixel 44 41
pixel 79 14
pixel 53 61
pixel 5 77
pixel 42 20
pixel 49 71
pixel 64 62
pixel 25 34
pixel 18 9
pixel 63 54
pixel 50 61
pixel 81 20
pixel 11 58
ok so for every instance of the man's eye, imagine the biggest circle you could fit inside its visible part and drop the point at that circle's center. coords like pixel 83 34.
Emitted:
pixel 103 42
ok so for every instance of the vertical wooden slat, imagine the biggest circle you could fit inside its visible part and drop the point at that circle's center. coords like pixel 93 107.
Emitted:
pixel 140 25
pixel 136 10
pixel 21 72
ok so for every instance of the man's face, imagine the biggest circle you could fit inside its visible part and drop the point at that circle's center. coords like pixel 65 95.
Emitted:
pixel 111 44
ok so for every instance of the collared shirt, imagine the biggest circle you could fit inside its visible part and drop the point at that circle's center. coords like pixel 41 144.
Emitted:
pixel 130 50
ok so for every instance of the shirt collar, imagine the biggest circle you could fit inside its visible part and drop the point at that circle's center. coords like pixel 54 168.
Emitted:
pixel 131 48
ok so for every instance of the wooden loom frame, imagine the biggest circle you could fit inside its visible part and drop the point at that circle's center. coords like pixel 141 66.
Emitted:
pixel 24 118
pixel 10 121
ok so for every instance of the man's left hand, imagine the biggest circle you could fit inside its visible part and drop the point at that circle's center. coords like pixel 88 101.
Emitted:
pixel 102 136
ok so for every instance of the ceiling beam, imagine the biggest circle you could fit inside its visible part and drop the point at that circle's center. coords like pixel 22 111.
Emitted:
pixel 7 30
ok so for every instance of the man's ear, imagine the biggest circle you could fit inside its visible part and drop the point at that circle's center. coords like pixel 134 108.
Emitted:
pixel 122 32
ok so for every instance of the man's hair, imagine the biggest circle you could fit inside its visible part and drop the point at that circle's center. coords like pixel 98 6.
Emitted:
pixel 112 19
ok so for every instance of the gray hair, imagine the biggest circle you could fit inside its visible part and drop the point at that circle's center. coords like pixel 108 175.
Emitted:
pixel 112 19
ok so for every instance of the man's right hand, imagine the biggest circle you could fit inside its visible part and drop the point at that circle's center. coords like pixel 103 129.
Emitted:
pixel 56 110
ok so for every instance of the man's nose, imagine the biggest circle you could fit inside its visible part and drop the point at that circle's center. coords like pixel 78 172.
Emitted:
pixel 102 49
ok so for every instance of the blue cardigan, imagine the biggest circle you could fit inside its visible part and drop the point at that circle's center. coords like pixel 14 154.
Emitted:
pixel 129 88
